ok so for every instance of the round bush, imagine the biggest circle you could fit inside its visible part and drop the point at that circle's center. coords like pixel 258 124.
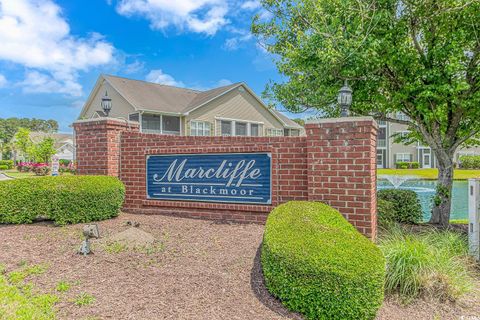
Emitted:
pixel 405 203
pixel 64 200
pixel 3 167
pixel 318 264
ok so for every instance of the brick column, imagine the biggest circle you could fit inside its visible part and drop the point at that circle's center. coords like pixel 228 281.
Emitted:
pixel 341 160
pixel 97 143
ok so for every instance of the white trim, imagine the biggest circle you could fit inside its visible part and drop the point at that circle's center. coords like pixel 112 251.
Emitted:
pixel 161 112
pixel 239 120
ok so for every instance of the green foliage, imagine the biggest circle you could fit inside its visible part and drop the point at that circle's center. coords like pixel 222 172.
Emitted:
pixel 63 286
pixel 7 163
pixel 23 143
pixel 421 58
pixel 407 208
pixel 84 299
pixel 469 162
pixel 44 150
pixel 433 263
pixel 65 199
pixel 19 301
pixel 311 262
pixel 407 165
pixel 385 213
pixel 3 167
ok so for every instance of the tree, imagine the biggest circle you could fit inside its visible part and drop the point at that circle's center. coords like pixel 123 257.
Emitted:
pixel 22 143
pixel 44 150
pixel 420 58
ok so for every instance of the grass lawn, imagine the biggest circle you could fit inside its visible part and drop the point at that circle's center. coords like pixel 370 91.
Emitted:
pixel 459 174
pixel 13 173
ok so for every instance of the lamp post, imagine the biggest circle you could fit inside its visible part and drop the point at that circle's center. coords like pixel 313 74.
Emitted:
pixel 345 99
pixel 106 104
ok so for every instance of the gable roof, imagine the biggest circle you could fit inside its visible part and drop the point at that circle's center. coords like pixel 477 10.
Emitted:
pixel 59 138
pixel 148 96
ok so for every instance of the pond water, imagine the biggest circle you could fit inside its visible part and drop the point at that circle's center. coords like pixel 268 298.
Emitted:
pixel 426 191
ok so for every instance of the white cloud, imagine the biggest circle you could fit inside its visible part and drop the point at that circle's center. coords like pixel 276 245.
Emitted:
pixel 3 81
pixel 200 16
pixel 157 76
pixel 34 34
pixel 36 82
pixel 223 82
pixel 251 5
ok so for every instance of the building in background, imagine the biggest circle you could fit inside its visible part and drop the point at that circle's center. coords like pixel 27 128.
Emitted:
pixel 389 152
pixel 63 143
pixel 232 110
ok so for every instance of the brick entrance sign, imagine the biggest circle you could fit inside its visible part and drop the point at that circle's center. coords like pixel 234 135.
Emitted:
pixel 334 163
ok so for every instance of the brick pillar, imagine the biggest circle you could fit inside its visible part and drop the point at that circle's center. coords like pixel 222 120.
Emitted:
pixel 97 143
pixel 341 160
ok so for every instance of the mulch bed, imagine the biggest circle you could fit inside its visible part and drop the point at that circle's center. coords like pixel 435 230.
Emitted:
pixel 200 270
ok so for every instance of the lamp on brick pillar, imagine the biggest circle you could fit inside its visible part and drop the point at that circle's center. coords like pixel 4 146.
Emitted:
pixel 106 104
pixel 345 99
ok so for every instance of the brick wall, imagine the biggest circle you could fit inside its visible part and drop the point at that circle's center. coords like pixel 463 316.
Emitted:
pixel 334 163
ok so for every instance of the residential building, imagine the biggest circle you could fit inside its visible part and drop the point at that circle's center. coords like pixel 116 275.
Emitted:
pixel 63 144
pixel 232 110
pixel 389 152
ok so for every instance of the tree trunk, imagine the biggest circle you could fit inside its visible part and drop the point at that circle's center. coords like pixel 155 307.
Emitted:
pixel 443 197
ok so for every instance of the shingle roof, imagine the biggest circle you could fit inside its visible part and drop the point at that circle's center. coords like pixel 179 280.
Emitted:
pixel 144 95
pixel 158 97
pixel 59 138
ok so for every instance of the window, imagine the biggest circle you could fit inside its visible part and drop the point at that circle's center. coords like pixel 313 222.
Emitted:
pixel 402 134
pixel 403 157
pixel 294 132
pixel 240 128
pixel 133 117
pixel 151 123
pixel 226 127
pixel 402 116
pixel 200 128
pixel 271 132
pixel 254 132
pixel 170 125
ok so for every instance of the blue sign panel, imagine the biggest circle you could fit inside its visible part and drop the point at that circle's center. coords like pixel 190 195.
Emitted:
pixel 213 177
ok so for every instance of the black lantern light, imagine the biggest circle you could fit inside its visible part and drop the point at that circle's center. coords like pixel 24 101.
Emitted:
pixel 106 104
pixel 345 99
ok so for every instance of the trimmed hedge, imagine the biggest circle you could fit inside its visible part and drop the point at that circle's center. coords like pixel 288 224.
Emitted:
pixel 407 207
pixel 385 213
pixel 7 163
pixel 3 167
pixel 64 200
pixel 318 264
pixel 469 162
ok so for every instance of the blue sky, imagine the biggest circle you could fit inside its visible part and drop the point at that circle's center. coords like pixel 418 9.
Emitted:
pixel 52 51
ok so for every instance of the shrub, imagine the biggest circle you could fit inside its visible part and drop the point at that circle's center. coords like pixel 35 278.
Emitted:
pixel 414 165
pixel 40 169
pixel 67 199
pixel 311 262
pixel 64 162
pixel 3 167
pixel 469 162
pixel 406 205
pixel 385 213
pixel 7 163
pixel 432 263
pixel 401 165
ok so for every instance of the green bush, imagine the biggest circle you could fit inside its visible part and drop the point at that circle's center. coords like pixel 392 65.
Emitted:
pixel 469 162
pixel 318 264
pixel 401 165
pixel 414 165
pixel 385 213
pixel 3 167
pixel 68 199
pixel 406 205
pixel 432 263
pixel 7 163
